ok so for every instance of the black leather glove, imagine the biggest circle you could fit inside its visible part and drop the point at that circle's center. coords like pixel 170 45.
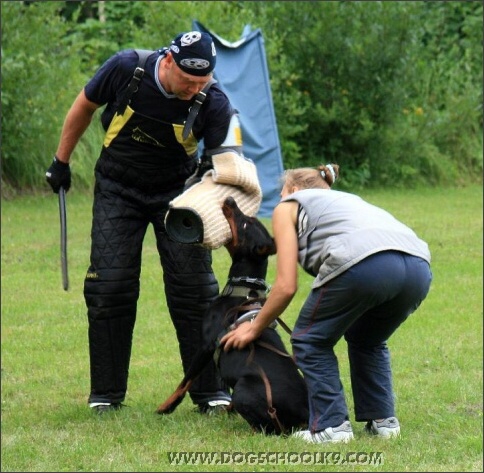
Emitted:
pixel 204 165
pixel 59 175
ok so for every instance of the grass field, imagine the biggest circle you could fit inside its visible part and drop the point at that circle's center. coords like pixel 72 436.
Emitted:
pixel 46 425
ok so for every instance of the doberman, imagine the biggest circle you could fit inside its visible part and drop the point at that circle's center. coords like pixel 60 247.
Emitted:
pixel 268 391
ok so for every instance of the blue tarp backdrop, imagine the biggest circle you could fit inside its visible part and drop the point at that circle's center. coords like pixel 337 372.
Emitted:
pixel 242 73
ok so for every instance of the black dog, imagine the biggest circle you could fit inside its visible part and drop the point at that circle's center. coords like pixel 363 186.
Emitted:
pixel 267 389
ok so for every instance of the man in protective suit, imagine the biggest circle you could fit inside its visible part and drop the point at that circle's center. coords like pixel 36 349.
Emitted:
pixel 158 106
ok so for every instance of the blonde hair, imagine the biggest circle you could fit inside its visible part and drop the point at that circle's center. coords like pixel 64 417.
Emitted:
pixel 320 177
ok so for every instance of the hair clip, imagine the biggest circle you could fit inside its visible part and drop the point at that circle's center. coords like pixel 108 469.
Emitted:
pixel 331 170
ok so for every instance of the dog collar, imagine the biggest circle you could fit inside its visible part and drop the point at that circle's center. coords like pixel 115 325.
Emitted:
pixel 242 291
pixel 232 288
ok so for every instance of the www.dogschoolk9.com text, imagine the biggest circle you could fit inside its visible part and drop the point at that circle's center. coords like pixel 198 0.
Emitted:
pixel 276 458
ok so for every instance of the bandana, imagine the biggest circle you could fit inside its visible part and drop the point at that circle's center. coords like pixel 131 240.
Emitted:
pixel 194 53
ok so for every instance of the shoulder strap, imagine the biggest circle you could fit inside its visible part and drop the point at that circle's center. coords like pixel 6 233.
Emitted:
pixel 135 80
pixel 143 56
pixel 195 108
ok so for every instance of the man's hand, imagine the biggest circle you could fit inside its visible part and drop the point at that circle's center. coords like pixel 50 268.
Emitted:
pixel 59 175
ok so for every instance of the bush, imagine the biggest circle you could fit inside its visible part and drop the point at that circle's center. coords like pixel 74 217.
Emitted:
pixel 40 78
pixel 391 91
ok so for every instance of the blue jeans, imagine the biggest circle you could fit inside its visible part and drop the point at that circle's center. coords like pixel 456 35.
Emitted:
pixel 365 304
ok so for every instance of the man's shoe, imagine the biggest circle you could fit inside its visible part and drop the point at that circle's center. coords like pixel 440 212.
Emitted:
pixel 215 407
pixel 385 428
pixel 103 407
pixel 343 433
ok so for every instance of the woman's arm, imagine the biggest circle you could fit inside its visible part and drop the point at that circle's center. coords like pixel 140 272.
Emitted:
pixel 285 285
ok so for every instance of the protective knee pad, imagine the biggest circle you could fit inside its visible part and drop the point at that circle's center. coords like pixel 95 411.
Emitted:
pixel 107 290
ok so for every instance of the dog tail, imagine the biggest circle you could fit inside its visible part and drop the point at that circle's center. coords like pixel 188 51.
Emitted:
pixel 175 399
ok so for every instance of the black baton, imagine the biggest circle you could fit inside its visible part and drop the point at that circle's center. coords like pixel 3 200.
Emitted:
pixel 63 237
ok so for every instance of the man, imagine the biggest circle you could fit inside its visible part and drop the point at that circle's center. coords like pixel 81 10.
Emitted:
pixel 145 161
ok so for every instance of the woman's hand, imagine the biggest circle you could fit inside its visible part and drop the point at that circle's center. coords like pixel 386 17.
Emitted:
pixel 240 337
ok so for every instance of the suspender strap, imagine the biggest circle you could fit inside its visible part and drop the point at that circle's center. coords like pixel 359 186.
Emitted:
pixel 133 88
pixel 195 108
pixel 135 80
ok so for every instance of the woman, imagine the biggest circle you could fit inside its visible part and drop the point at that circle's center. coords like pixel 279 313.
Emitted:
pixel 371 272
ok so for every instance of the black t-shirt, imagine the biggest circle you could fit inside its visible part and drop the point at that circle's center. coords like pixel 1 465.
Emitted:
pixel 108 85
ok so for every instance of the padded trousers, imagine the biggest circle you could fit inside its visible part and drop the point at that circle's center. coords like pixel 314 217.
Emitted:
pixel 121 216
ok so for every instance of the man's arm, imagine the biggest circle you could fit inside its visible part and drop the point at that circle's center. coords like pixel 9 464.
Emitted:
pixel 232 140
pixel 76 122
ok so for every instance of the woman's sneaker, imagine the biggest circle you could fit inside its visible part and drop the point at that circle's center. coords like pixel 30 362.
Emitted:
pixel 386 428
pixel 343 433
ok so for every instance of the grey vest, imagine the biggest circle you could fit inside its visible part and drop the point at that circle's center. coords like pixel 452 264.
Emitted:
pixel 342 229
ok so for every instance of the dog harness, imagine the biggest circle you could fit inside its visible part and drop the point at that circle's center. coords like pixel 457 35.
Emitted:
pixel 249 316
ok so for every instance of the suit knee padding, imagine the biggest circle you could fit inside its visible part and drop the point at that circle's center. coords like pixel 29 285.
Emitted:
pixel 111 296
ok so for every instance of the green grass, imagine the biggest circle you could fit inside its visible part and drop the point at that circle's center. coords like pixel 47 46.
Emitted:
pixel 46 425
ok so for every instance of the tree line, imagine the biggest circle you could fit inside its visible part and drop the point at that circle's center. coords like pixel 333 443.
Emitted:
pixel 391 91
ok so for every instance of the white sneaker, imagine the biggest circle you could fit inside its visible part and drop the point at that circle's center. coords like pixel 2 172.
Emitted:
pixel 215 407
pixel 343 433
pixel 102 407
pixel 386 428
